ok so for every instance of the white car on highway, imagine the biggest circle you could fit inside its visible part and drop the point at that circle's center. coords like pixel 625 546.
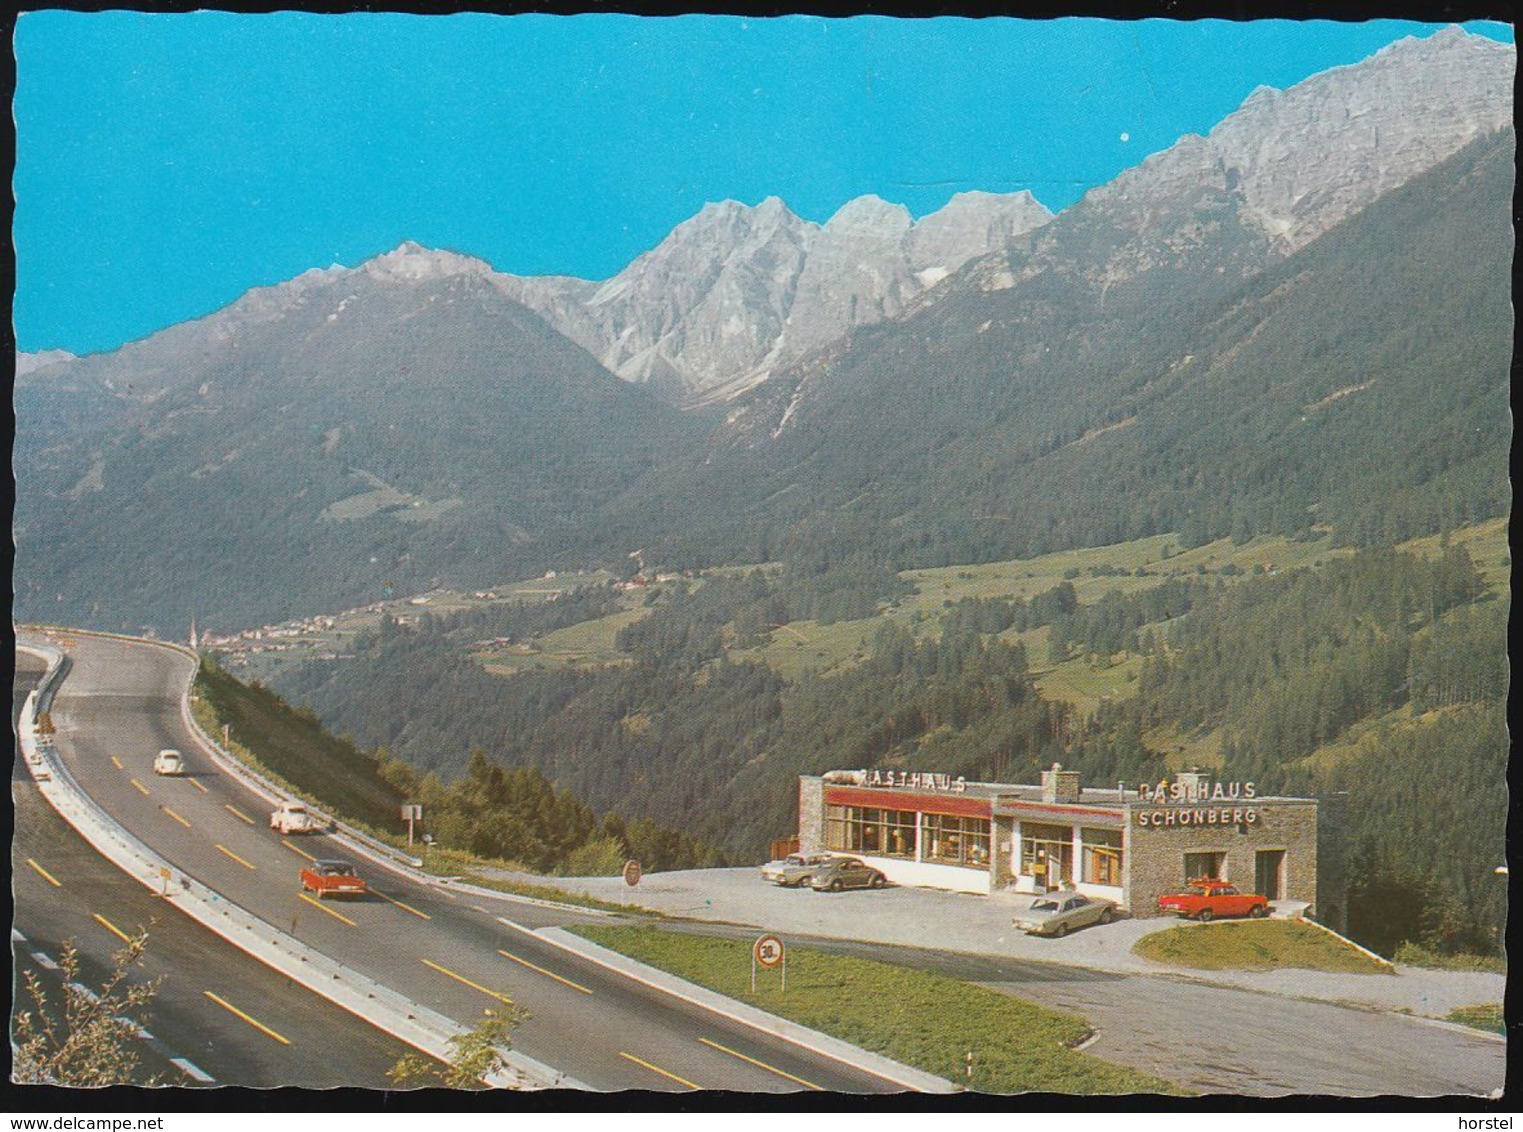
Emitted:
pixel 169 761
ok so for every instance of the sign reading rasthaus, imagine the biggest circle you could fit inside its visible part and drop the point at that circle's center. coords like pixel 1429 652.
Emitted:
pixel 906 779
pixel 1197 801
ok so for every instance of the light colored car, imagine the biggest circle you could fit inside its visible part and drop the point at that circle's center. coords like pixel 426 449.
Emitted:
pixel 293 817
pixel 169 761
pixel 1059 913
pixel 794 870
pixel 845 872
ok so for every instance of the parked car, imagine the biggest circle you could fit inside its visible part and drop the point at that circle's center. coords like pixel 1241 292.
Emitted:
pixel 169 761
pixel 332 878
pixel 1059 913
pixel 794 870
pixel 845 872
pixel 1205 898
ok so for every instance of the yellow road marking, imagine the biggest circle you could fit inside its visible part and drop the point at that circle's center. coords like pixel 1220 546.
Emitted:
pixel 404 907
pixel 143 790
pixel 298 852
pixel 761 1064
pixel 467 982
pixel 43 873
pixel 176 816
pixel 657 1069
pixel 542 971
pixel 330 911
pixel 234 856
pixel 260 1026
pixel 112 928
pixel 239 814
pixel 117 762
pixel 197 785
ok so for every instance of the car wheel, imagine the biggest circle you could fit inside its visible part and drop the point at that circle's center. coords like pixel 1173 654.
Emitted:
pixel 1106 916
pixel 1257 911
pixel 877 880
pixel 1204 916
pixel 1060 931
pixel 835 886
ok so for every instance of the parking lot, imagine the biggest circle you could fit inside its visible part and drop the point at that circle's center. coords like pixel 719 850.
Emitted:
pixel 981 925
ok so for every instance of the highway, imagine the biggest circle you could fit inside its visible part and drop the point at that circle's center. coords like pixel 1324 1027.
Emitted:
pixel 456 954
pixel 63 890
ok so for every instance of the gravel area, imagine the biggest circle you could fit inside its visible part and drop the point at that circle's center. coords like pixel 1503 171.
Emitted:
pixel 980 925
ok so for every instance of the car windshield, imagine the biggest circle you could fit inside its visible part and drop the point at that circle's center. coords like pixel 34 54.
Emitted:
pixel 794 861
pixel 337 869
pixel 1044 905
pixel 1199 890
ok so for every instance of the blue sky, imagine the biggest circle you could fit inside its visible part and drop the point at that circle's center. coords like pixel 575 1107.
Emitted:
pixel 165 163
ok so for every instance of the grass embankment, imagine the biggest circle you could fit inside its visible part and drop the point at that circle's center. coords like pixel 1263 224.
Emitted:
pixel 291 748
pixel 921 1019
pixel 1412 955
pixel 1255 945
pixel 1486 1017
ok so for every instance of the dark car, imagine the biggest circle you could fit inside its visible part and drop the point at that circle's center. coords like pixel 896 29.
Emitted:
pixel 845 872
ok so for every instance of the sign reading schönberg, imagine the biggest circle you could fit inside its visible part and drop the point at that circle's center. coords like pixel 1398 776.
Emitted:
pixel 1198 802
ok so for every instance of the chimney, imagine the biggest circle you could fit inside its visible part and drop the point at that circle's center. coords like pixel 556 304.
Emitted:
pixel 1059 785
pixel 1197 783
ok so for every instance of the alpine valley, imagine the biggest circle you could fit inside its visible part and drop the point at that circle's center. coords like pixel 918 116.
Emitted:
pixel 1252 396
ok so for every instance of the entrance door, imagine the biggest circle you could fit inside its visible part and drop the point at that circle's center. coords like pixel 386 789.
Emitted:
pixel 1269 872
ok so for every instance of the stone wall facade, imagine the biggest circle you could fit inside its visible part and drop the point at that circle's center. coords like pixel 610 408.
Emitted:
pixel 1155 856
pixel 811 814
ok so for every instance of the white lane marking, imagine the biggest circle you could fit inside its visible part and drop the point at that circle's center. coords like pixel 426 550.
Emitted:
pixel 191 1070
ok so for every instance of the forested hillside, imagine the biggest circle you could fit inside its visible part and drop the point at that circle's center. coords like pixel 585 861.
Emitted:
pixel 1380 674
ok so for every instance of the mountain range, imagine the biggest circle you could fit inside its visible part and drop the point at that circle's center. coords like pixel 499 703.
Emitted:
pixel 1217 340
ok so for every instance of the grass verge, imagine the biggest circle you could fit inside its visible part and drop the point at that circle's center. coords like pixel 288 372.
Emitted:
pixel 1486 1016
pixel 1412 955
pixel 1254 945
pixel 921 1019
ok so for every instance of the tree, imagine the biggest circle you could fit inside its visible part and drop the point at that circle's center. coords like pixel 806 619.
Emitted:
pixel 475 1055
pixel 91 1043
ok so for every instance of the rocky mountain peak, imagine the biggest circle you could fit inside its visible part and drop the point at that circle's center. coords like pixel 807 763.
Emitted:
pixel 1303 159
pixel 411 262
pixel 870 215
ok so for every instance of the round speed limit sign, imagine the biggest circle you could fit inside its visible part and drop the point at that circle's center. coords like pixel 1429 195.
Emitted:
pixel 768 951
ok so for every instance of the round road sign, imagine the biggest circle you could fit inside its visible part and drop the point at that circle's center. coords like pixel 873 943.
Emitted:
pixel 768 951
pixel 631 873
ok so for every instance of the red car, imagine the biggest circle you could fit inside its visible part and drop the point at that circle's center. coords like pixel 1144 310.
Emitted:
pixel 332 878
pixel 1205 898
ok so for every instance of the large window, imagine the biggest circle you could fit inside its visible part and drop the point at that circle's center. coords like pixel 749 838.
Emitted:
pixel 1102 856
pixel 1205 865
pixel 949 840
pixel 1047 853
pixel 864 829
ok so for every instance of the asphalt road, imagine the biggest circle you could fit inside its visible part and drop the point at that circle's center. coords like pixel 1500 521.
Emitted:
pixel 1212 1039
pixel 64 891
pixel 449 952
